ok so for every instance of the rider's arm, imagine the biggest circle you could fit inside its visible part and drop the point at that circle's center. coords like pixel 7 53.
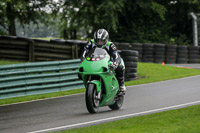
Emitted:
pixel 115 55
pixel 86 50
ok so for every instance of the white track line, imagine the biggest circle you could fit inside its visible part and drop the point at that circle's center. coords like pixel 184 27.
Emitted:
pixel 116 117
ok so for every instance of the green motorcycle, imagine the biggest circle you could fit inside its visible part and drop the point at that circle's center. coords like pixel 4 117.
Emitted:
pixel 102 88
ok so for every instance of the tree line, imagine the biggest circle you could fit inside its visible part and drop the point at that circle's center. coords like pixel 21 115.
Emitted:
pixel 166 21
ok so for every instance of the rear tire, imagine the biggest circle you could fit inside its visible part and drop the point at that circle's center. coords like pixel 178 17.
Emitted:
pixel 92 103
pixel 118 103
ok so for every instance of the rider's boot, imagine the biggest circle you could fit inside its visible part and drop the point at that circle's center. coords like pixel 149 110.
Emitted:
pixel 122 88
pixel 120 72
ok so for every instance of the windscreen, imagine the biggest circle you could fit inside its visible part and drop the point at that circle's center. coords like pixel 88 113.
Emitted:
pixel 96 54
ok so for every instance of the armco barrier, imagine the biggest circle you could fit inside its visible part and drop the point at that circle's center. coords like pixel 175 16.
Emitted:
pixel 38 78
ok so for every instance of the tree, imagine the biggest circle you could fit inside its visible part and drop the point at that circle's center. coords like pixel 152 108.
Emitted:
pixel 141 21
pixel 41 30
pixel 83 17
pixel 25 11
pixel 3 20
pixel 126 20
pixel 178 16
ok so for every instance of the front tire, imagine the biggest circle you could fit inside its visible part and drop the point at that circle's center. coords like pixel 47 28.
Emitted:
pixel 118 103
pixel 91 99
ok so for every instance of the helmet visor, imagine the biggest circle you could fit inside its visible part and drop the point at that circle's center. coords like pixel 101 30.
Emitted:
pixel 99 42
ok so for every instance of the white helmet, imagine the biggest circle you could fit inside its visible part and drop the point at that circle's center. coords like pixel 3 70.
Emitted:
pixel 101 37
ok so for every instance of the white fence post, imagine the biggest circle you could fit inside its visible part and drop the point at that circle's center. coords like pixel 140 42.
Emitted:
pixel 195 31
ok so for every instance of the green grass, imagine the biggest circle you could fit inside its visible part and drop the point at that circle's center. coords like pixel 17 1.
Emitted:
pixel 185 120
pixel 7 62
pixel 147 73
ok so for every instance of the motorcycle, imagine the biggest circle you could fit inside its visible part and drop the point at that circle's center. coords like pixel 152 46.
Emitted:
pixel 102 88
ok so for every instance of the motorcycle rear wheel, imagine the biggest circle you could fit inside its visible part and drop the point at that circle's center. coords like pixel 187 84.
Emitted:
pixel 118 103
pixel 91 99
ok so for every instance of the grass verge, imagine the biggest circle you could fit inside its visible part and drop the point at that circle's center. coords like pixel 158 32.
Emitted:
pixel 185 120
pixel 7 62
pixel 147 73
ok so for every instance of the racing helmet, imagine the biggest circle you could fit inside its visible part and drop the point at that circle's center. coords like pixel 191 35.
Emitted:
pixel 101 37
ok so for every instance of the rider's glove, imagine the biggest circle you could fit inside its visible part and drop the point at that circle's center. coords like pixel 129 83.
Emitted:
pixel 113 66
pixel 82 59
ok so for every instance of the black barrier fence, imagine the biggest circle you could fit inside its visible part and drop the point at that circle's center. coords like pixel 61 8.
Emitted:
pixel 26 49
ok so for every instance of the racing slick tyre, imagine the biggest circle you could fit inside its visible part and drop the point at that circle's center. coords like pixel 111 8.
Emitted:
pixel 92 102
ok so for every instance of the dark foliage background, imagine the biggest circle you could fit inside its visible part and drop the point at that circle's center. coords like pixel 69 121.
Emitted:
pixel 154 21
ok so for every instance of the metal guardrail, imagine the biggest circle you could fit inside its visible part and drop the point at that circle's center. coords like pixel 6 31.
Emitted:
pixel 38 78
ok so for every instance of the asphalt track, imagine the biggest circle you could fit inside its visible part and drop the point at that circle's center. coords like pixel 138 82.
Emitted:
pixel 70 111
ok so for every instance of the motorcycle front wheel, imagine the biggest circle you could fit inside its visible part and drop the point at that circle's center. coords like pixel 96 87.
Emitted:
pixel 91 99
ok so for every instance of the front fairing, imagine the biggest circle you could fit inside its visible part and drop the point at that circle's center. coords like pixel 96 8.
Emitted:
pixel 92 67
pixel 96 62
pixel 99 68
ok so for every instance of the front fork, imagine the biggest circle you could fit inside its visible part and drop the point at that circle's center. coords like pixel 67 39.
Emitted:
pixel 98 84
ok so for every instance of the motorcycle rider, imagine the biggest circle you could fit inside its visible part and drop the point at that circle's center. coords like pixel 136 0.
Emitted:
pixel 101 37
